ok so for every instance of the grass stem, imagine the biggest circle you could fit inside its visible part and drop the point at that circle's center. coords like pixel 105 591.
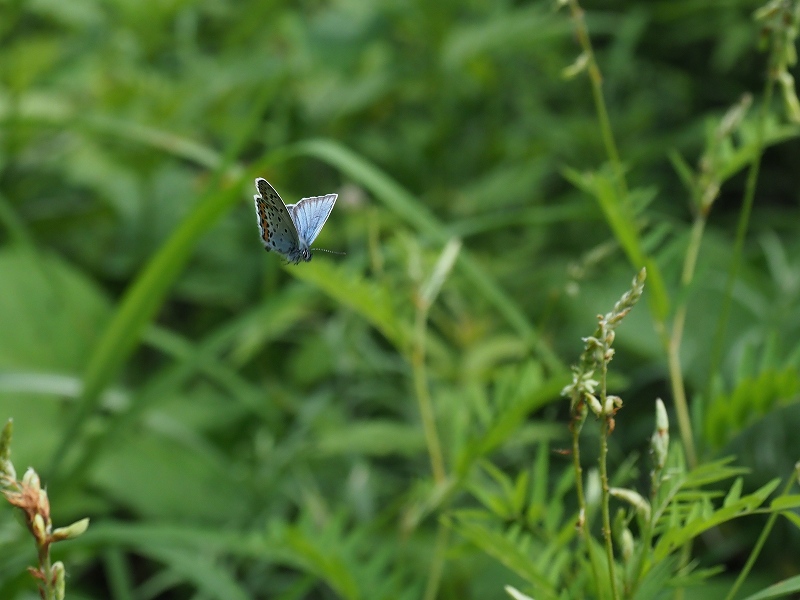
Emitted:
pixel 762 539
pixel 583 512
pixel 596 79
pixel 605 501
pixel 674 342
pixel 424 398
pixel 741 232
pixel 437 564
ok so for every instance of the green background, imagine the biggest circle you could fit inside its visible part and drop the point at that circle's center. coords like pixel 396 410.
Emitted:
pixel 239 428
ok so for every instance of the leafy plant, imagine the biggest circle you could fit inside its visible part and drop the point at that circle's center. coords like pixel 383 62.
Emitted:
pixel 27 495
pixel 642 553
pixel 382 424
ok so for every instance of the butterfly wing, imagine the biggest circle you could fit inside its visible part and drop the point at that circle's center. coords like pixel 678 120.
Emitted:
pixel 310 214
pixel 278 231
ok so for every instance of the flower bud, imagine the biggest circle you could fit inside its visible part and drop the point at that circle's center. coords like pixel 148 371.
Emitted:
pixel 43 504
pixel 7 469
pixel 594 488
pixel 635 499
pixel 612 404
pixel 39 529
pixel 594 404
pixel 659 443
pixel 31 479
pixel 576 67
pixel 70 531
pixel 59 577
pixel 627 544
pixel 516 594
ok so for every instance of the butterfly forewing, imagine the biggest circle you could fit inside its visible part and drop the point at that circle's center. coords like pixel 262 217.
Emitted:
pixel 278 230
pixel 309 215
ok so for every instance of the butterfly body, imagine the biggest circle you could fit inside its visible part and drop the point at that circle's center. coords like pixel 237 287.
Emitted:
pixel 290 229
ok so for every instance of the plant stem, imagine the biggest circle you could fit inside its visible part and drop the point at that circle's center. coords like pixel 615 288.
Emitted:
pixel 683 560
pixel 759 545
pixel 432 440
pixel 604 432
pixel 605 496
pixel 583 512
pixel 437 564
pixel 741 231
pixel 46 568
pixel 674 342
pixel 424 398
pixel 638 567
pixel 596 79
pixel 647 530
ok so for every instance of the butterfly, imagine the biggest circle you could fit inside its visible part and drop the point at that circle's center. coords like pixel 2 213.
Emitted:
pixel 289 229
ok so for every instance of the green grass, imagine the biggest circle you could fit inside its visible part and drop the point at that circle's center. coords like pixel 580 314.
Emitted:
pixel 389 423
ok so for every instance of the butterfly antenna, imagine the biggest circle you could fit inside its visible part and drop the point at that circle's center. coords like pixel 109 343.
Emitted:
pixel 330 251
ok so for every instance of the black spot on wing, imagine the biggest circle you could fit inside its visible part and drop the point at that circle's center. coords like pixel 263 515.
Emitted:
pixel 263 220
pixel 267 191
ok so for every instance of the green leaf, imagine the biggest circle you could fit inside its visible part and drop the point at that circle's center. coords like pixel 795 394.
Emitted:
pixel 793 517
pixel 207 575
pixel 402 203
pixel 785 503
pixel 702 517
pixel 778 590
pixel 507 552
pixel 685 173
pixel 138 306
pixel 734 493
pixel 622 221
pixel 372 438
pixel 50 313
pixel 366 297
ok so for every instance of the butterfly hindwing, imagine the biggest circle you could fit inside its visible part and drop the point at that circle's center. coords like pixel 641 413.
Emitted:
pixel 277 228
pixel 290 229
pixel 309 216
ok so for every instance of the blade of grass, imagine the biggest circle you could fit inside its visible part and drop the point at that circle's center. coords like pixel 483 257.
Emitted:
pixel 144 296
pixel 117 572
pixel 211 579
pixel 205 357
pixel 137 308
pixel 405 205
pixel 163 140
pixel 371 301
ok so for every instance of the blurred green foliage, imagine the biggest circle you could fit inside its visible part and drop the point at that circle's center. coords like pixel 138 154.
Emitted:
pixel 237 428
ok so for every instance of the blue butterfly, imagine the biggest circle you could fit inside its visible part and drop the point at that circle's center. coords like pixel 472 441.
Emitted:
pixel 290 229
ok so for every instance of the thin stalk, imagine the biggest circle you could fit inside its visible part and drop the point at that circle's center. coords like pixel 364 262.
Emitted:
pixel 685 557
pixel 605 504
pixel 759 545
pixel 118 574
pixel 636 571
pixel 596 79
pixel 424 398
pixel 583 512
pixel 437 564
pixel 674 342
pixel 649 525
pixel 46 567
pixel 741 231
pixel 606 497
pixel 672 345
